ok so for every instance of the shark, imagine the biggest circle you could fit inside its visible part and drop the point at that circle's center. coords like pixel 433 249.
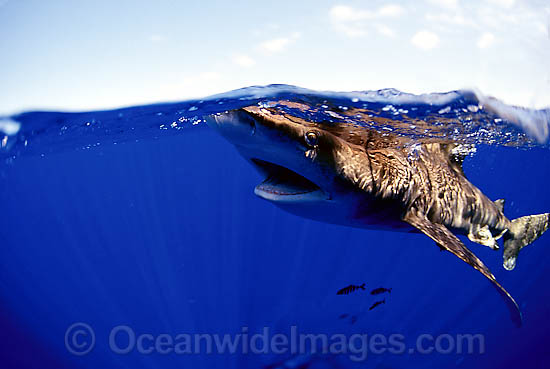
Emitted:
pixel 343 173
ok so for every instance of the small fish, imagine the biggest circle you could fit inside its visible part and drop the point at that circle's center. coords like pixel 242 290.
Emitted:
pixel 377 303
pixel 343 316
pixel 349 289
pixel 353 319
pixel 380 290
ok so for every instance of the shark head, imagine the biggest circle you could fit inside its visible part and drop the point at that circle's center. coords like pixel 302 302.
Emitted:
pixel 309 168
pixel 294 157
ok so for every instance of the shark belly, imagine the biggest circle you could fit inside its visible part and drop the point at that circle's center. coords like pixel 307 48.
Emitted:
pixel 356 210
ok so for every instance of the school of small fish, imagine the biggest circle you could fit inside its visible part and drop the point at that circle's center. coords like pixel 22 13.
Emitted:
pixel 353 288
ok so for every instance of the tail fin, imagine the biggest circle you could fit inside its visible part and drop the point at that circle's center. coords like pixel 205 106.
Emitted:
pixel 362 286
pixel 523 231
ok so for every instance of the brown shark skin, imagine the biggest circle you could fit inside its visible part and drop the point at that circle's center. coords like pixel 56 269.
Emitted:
pixel 430 180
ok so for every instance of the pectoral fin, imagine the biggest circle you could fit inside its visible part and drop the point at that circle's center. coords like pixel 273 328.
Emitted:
pixel 446 239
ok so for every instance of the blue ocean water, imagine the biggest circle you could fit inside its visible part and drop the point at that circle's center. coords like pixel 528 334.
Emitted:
pixel 143 219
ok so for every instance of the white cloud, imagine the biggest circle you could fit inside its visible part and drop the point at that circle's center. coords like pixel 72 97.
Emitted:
pixel 391 10
pixel 503 3
pixel 354 22
pixel 277 45
pixel 455 19
pixel 348 20
pixel 343 13
pixel 516 19
pixel 347 13
pixel 542 28
pixel 385 30
pixel 243 60
pixel 449 4
pixel 425 40
pixel 485 40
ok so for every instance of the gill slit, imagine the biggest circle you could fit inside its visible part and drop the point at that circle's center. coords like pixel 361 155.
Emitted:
pixel 370 166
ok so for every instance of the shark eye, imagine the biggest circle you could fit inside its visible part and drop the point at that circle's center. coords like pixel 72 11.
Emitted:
pixel 311 138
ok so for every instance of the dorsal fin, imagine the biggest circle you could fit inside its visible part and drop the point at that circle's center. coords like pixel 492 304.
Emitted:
pixel 455 157
pixel 457 153
pixel 500 204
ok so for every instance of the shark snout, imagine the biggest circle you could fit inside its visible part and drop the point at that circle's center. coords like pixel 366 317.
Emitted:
pixel 236 126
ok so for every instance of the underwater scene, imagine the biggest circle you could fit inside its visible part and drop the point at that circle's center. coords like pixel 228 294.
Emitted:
pixel 277 227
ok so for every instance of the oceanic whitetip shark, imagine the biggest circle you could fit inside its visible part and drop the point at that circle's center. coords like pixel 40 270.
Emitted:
pixel 342 173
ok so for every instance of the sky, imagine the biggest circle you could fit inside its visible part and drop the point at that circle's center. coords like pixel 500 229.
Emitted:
pixel 77 55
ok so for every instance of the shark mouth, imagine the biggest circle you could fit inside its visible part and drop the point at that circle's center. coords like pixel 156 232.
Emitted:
pixel 284 185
